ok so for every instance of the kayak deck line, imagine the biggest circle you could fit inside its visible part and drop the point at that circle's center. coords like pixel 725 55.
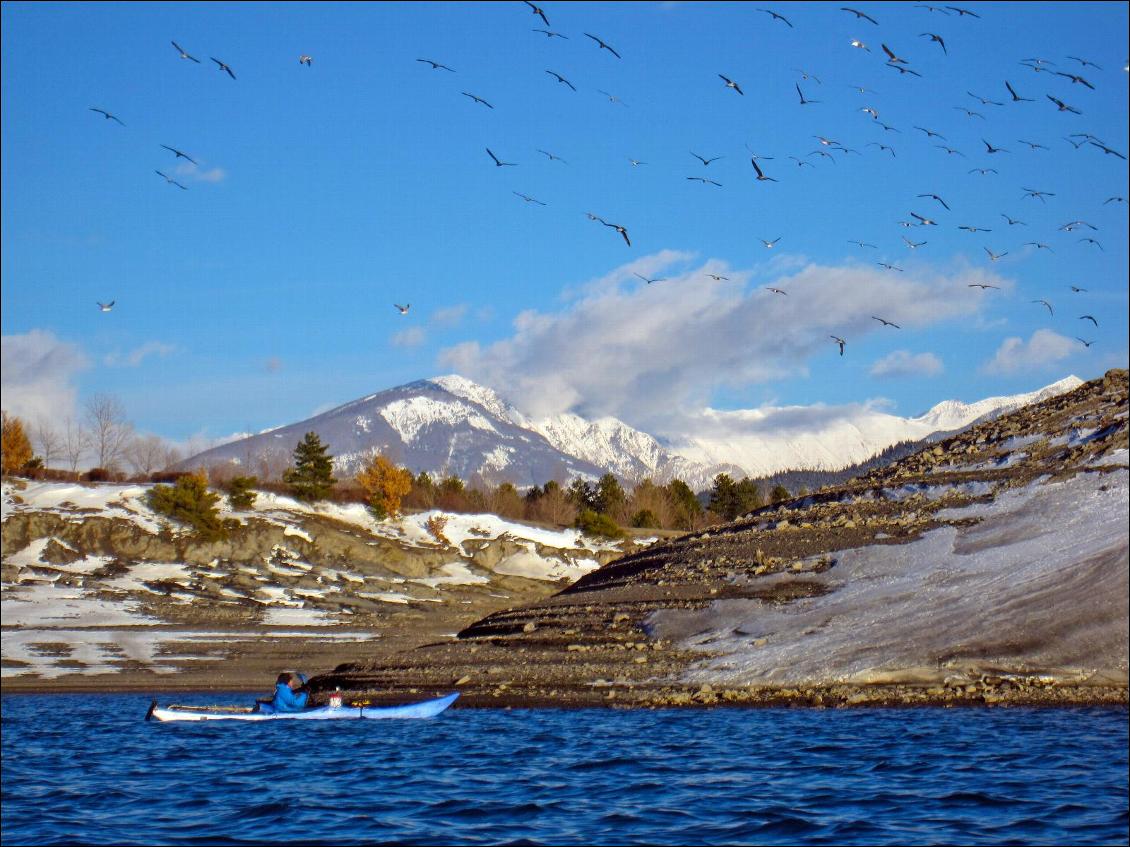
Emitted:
pixel 180 713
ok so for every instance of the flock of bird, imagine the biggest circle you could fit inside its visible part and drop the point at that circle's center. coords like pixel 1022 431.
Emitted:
pixel 829 149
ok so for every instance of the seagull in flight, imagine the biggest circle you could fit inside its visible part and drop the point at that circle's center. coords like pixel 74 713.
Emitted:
pixel 1016 98
pixel 1071 226
pixel 552 157
pixel 858 14
pixel 497 162
pixel 892 58
pixel 179 155
pixel 1046 303
pixel 1114 200
pixel 969 113
pixel 930 133
pixel 1013 221
pixel 603 46
pixel 936 38
pixel 1039 195
pixel 561 79
pixel 777 290
pixel 528 198
pixel 1063 107
pixel 551 34
pixel 777 17
pixel 923 221
pixel 881 147
pixel 800 163
pixel 984 100
pixel 107 115
pixel 974 229
pixel 170 180
pixel 636 162
pixel 889 267
pixel 885 322
pixel 1092 241
pixel 704 180
pixel 983 286
pixel 839 341
pixel 436 66
pixel 105 307
pixel 719 277
pixel 950 150
pixel 863 244
pixel 859 45
pixel 804 101
pixel 706 161
pixel 962 12
pixel 650 281
pixel 936 197
pixel 308 61
pixel 770 244
pixel 1033 145
pixel 1076 288
pixel 760 176
pixel 994 256
pixel 537 11
pixel 402 309
pixel 983 171
pixel 1084 62
pixel 619 229
pixel 991 149
pixel 913 245
pixel 477 99
pixel 731 84
pixel 183 54
pixel 1081 317
pixel 223 67
pixel 1084 343
pixel 1075 78
pixel 612 98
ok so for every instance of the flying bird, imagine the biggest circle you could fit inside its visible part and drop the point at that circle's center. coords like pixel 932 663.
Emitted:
pixel 402 309
pixel 704 180
pixel 969 113
pixel 914 245
pixel 777 290
pixel 1039 195
pixel 552 157
pixel 105 307
pixel 994 256
pixel 436 66
pixel 1084 62
pixel 858 14
pixel 179 155
pixel 183 54
pixel 983 286
pixel 477 99
pixel 551 34
pixel 1013 221
pixel 889 267
pixel 1077 289
pixel 984 100
pixel 1075 78
pixel 1114 200
pixel 620 230
pixel 1091 241
pixel 859 45
pixel 497 162
pixel 1016 98
pixel 936 38
pixel 650 281
pixel 923 221
pixel 561 79
pixel 962 12
pixel 770 244
pixel 881 147
pixel 950 150
pixel 706 161
pixel 930 8
pixel 863 244
pixel 892 58
pixel 1063 107
pixel 800 163
pixel 1084 343
pixel 170 180
pixel 731 84
pixel 719 277
pixel 1032 145
pixel 603 46
pixel 983 171
pixel 537 11
pixel 839 341
pixel 528 198
pixel 760 176
pixel 223 67
pixel 612 98
pixel 974 229
pixel 1039 245
pixel 803 100
pixel 107 115
pixel 936 197
pixel 636 162
pixel 1081 317
pixel 777 17
pixel 991 149
pixel 885 322
pixel 930 133
pixel 308 61
pixel 1046 303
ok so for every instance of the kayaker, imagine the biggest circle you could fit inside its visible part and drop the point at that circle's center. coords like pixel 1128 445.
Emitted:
pixel 290 694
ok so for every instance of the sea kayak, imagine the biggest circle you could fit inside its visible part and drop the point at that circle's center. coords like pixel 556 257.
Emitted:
pixel 424 709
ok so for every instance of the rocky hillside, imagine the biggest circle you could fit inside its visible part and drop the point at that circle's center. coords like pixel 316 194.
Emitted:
pixel 990 567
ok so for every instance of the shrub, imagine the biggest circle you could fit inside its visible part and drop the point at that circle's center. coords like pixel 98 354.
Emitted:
pixel 15 448
pixel 435 525
pixel 98 475
pixel 384 485
pixel 241 494
pixel 595 523
pixel 191 502
pixel 645 518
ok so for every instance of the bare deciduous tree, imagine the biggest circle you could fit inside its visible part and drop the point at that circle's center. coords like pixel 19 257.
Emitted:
pixel 110 432
pixel 48 442
pixel 76 443
pixel 146 454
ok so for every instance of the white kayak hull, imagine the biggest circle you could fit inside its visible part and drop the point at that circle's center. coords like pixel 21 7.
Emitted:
pixel 425 709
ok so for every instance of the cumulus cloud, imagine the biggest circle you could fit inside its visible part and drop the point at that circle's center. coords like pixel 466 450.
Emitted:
pixel 195 173
pixel 38 375
pixel 450 316
pixel 414 336
pixel 900 363
pixel 135 357
pixel 1043 348
pixel 641 352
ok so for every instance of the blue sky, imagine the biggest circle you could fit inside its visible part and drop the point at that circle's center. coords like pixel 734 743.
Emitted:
pixel 324 194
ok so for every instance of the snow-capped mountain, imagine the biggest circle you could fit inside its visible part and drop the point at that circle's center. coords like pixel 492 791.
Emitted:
pixel 451 425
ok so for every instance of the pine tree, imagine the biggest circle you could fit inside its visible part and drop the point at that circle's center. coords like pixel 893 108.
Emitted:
pixel 724 497
pixel 241 492
pixel 778 493
pixel 748 496
pixel 687 508
pixel 581 494
pixel 311 478
pixel 610 496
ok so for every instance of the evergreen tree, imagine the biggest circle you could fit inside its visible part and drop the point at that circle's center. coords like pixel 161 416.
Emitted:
pixel 190 501
pixel 311 478
pixel 241 494
pixel 724 497
pixel 778 493
pixel 748 496
pixel 687 508
pixel 582 495
pixel 610 496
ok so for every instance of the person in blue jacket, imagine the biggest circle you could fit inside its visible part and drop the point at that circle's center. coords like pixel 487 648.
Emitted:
pixel 290 695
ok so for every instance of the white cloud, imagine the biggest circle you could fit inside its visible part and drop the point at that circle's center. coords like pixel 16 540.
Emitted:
pixel 412 337
pixel 136 356
pixel 643 352
pixel 1043 348
pixel 38 374
pixel 195 173
pixel 449 316
pixel 899 363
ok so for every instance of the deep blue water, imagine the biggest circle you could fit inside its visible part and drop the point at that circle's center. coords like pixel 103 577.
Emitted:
pixel 88 769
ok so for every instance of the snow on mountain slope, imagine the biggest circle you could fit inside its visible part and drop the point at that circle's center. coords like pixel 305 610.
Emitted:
pixel 953 414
